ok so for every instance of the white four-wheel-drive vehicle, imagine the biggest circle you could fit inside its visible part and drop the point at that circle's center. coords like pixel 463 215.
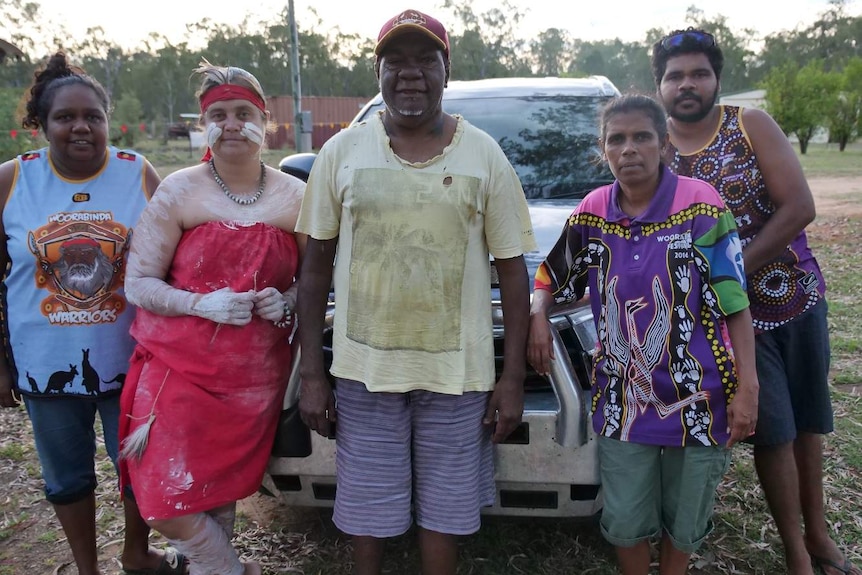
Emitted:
pixel 548 128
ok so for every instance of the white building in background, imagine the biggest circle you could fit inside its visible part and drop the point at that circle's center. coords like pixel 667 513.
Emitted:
pixel 757 99
pixel 747 99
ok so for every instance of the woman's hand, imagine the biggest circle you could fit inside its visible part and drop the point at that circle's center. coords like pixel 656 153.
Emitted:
pixel 540 344
pixel 272 305
pixel 225 306
pixel 269 304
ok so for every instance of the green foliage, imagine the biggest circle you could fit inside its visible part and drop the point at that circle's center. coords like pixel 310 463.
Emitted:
pixel 128 114
pixel 13 138
pixel 484 44
pixel 845 118
pixel 832 38
pixel 12 451
pixel 550 52
pixel 801 99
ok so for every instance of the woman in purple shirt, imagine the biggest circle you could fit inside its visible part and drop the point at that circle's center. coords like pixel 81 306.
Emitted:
pixel 674 381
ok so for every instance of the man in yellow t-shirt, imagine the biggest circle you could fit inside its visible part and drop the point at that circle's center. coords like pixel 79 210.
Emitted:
pixel 413 200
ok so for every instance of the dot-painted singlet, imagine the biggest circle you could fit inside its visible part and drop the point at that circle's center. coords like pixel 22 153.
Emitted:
pixel 792 283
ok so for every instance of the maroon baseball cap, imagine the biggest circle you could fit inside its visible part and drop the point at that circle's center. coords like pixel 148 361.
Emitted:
pixel 413 21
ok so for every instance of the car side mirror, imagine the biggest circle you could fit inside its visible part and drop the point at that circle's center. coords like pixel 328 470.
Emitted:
pixel 298 165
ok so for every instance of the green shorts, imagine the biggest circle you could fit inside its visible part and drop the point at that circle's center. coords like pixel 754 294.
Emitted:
pixel 648 489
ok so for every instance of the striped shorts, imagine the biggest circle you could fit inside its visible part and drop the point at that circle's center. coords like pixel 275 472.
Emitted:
pixel 421 449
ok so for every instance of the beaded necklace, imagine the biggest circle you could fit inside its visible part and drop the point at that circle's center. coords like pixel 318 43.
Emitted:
pixel 241 200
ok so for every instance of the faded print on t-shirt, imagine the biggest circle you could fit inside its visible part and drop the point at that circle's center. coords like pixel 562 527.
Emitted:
pixel 409 245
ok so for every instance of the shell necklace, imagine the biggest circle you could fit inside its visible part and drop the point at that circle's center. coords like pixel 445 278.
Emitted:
pixel 241 200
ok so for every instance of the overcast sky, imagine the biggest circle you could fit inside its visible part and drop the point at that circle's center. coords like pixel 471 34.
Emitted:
pixel 128 23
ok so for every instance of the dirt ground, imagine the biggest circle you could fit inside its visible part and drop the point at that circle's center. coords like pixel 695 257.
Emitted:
pixel 32 543
pixel 836 197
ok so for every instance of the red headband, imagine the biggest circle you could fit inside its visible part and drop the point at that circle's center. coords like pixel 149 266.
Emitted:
pixel 231 92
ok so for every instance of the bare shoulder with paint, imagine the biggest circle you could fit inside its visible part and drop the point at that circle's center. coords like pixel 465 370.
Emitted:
pixel 190 197
pixel 285 199
pixel 173 206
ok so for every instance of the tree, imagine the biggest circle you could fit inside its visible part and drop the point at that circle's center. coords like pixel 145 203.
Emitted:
pixel 833 38
pixel 23 24
pixel 799 99
pixel 626 64
pixel 13 138
pixel 845 114
pixel 159 76
pixel 487 46
pixel 125 120
pixel 551 52
pixel 101 58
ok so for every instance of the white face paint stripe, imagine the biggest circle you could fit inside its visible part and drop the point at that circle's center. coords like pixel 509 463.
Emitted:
pixel 252 132
pixel 214 132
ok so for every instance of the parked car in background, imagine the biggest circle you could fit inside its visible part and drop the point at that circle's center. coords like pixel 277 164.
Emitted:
pixel 186 124
pixel 548 128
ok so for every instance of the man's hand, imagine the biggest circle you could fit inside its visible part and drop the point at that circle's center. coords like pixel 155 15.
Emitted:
pixel 9 396
pixel 317 405
pixel 742 412
pixel 505 408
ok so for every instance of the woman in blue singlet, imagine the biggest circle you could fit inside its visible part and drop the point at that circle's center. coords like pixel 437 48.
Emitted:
pixel 67 215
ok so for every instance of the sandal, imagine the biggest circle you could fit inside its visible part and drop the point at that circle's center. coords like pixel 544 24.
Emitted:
pixel 172 563
pixel 821 563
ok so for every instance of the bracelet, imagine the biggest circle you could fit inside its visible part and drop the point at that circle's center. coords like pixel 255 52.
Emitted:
pixel 286 319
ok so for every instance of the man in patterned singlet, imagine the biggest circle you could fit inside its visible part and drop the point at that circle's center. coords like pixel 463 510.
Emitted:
pixel 747 158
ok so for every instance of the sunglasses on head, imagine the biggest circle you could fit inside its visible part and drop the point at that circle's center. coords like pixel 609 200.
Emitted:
pixel 702 39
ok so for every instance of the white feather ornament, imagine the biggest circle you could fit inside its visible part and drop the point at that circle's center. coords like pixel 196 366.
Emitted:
pixel 135 444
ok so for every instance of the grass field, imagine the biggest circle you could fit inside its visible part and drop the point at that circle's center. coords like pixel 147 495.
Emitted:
pixel 303 541
pixel 826 160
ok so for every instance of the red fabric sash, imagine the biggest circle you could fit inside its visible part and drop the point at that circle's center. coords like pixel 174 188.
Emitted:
pixel 216 390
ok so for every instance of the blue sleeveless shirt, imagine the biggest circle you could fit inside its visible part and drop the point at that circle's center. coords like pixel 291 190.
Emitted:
pixel 67 319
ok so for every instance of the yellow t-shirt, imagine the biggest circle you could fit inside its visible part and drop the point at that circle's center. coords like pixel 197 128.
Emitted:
pixel 412 275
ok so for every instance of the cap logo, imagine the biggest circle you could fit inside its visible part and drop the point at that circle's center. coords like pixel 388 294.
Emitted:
pixel 409 17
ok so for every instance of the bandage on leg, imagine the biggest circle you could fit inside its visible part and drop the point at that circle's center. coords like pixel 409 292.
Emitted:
pixel 209 550
pixel 225 517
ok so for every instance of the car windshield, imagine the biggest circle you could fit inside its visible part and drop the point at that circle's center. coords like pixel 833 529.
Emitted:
pixel 552 141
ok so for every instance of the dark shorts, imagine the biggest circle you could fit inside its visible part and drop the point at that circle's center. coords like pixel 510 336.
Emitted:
pixel 66 442
pixel 793 369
